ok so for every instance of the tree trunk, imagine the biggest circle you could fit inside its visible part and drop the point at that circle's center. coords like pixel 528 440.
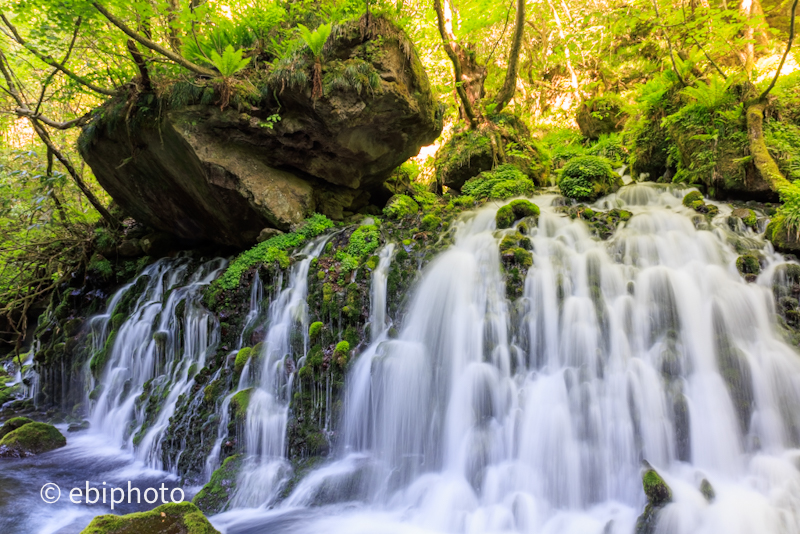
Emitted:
pixel 468 74
pixel 510 83
pixel 763 161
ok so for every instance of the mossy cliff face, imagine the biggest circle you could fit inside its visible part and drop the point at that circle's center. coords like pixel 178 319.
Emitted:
pixel 206 174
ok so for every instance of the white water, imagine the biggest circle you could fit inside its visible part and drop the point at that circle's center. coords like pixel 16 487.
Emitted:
pixel 266 469
pixel 154 348
pixel 378 319
pixel 535 416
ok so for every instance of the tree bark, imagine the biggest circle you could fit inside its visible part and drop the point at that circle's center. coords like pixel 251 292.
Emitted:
pixel 510 83
pixel 468 76
pixel 762 159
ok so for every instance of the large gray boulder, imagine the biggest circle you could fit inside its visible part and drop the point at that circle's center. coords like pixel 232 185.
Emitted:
pixel 203 173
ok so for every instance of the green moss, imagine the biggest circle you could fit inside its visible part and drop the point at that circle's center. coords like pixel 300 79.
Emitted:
pixel 656 490
pixel 523 257
pixel 341 352
pixel 430 222
pixel 241 359
pixel 364 240
pixel 117 320
pixel 33 438
pixel 215 495
pixel 748 264
pixel 314 330
pixel 587 178
pixel 182 517
pixel 271 250
pixel 691 198
pixel 239 404
pixel 400 206
pixel 514 211
pixel 504 182
pixel 707 490
pixel 100 358
pixel 13 424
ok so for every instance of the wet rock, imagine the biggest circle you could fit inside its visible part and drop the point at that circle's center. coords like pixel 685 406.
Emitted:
pixel 514 211
pixel 215 495
pixel 174 518
pixel 268 233
pixel 748 264
pixel 658 495
pixel 130 248
pixel 77 427
pixel 707 490
pixel 31 438
pixel 13 424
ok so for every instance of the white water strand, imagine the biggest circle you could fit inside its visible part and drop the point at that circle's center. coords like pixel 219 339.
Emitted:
pixel 378 322
pixel 266 468
pixel 535 418
pixel 155 351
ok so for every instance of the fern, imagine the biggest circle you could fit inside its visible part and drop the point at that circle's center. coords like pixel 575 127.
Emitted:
pixel 789 212
pixel 315 40
pixel 230 62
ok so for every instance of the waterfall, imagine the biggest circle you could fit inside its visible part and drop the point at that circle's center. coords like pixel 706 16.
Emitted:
pixel 377 319
pixel 155 351
pixel 535 416
pixel 266 468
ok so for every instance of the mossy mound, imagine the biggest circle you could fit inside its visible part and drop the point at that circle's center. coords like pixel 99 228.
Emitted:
pixel 242 357
pixel 215 495
pixel 172 518
pixel 588 178
pixel 504 182
pixel 239 404
pixel 601 115
pixel 400 206
pixel 656 490
pixel 31 438
pixel 748 264
pixel 13 424
pixel 695 201
pixel 514 211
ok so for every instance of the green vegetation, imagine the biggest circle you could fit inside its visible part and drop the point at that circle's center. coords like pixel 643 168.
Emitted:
pixel 400 206
pixel 215 495
pixel 504 182
pixel 586 178
pixel 242 357
pixel 172 517
pixel 514 211
pixel 273 250
pixel 31 438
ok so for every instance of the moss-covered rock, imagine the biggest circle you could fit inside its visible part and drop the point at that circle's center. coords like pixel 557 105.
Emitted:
pixel 242 357
pixel 31 438
pixel 173 518
pixel 239 404
pixel 400 206
pixel 587 178
pixel 464 156
pixel 601 115
pixel 505 181
pixel 707 490
pixel 658 495
pixel 514 211
pixel 747 216
pixel 216 494
pixel 748 264
pixel 13 424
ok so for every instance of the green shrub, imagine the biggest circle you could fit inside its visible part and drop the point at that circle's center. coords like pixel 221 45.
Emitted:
pixel 364 240
pixel 514 211
pixel 314 330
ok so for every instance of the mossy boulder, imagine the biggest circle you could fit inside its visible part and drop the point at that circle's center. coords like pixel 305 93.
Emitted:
pixel 587 178
pixel 202 173
pixel 215 495
pixel 13 424
pixel 239 404
pixel 601 115
pixel 747 216
pixel 782 238
pixel 695 201
pixel 707 490
pixel 400 206
pixel 31 438
pixel 503 182
pixel 748 264
pixel 172 518
pixel 658 495
pixel 514 211
pixel 464 156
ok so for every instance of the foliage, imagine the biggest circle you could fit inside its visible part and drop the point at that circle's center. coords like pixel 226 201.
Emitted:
pixel 230 62
pixel 400 206
pixel 505 181
pixel 364 241
pixel 514 211
pixel 315 41
pixel 586 177
pixel 272 250
pixel 788 216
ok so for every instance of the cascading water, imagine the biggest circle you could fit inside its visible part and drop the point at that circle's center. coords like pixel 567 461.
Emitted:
pixel 159 347
pixel 536 416
pixel 266 468
pixel 378 319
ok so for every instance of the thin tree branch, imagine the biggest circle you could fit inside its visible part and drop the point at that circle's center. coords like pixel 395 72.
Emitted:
pixel 15 36
pixel 155 47
pixel 445 25
pixel 785 54
pixel 669 44
pixel 724 77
